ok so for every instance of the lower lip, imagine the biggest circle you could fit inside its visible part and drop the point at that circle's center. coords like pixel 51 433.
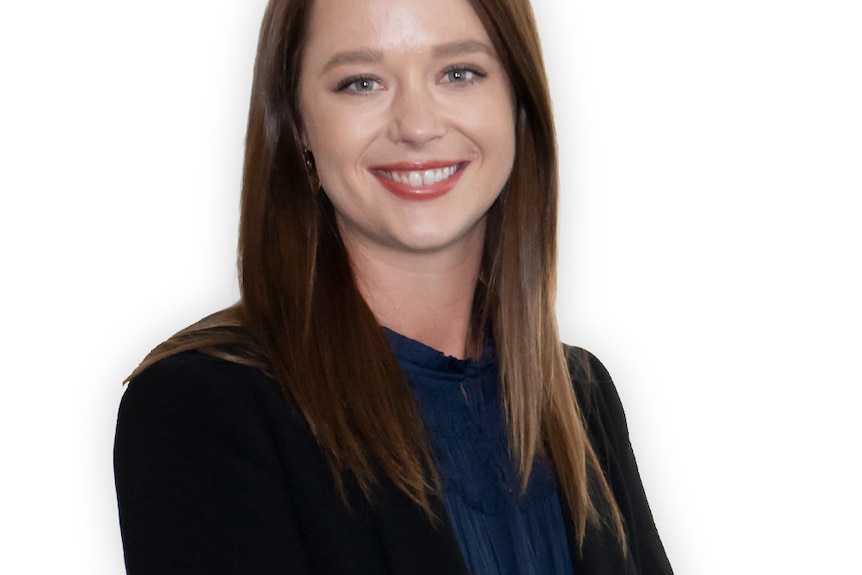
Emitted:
pixel 423 193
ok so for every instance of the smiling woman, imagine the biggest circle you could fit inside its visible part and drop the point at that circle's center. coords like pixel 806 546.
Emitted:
pixel 402 104
pixel 390 394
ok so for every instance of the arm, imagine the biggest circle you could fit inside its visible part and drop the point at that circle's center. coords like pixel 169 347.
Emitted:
pixel 199 482
pixel 608 430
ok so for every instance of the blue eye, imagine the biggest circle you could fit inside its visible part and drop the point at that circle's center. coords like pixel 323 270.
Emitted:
pixel 358 84
pixel 462 75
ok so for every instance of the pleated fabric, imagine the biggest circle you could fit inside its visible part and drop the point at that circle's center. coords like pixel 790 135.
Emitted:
pixel 500 531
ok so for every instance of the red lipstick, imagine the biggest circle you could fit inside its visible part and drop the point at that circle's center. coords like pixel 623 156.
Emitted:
pixel 419 181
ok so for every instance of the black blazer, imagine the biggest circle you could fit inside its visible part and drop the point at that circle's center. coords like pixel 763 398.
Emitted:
pixel 216 474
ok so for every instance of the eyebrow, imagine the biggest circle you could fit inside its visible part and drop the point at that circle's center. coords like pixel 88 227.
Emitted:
pixel 447 50
pixel 466 47
pixel 353 57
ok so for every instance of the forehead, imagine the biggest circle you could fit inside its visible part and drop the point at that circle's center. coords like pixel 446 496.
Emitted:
pixel 390 25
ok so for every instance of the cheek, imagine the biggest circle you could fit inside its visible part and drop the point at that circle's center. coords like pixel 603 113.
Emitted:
pixel 321 139
pixel 494 126
pixel 338 140
pixel 500 138
pixel 338 156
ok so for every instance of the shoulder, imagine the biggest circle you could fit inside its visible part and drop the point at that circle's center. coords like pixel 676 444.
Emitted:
pixel 593 385
pixel 584 367
pixel 599 403
pixel 203 450
pixel 200 399
pixel 194 377
pixel 201 419
pixel 194 368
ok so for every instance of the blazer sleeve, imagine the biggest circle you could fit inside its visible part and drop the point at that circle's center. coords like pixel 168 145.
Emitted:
pixel 606 424
pixel 198 477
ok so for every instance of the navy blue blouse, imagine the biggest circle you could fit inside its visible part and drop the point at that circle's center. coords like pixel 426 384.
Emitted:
pixel 499 531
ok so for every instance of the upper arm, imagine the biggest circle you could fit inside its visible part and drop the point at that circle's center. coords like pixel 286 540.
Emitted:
pixel 606 425
pixel 199 480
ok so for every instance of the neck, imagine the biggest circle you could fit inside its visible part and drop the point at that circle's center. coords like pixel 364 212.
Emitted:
pixel 427 297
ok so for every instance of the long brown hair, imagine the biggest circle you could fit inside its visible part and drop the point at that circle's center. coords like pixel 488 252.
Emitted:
pixel 302 319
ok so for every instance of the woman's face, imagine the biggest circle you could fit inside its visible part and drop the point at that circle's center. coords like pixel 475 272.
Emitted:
pixel 410 117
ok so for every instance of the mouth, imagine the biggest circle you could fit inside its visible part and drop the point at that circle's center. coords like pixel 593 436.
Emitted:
pixel 419 181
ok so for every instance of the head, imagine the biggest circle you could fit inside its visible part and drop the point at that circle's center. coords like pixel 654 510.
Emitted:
pixel 279 192
pixel 409 114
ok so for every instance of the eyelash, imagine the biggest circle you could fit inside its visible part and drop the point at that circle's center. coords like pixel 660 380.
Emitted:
pixel 346 84
pixel 464 70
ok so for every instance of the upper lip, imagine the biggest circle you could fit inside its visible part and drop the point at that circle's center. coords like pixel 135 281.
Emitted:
pixel 415 166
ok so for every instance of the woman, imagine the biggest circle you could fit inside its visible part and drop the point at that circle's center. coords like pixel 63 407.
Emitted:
pixel 390 394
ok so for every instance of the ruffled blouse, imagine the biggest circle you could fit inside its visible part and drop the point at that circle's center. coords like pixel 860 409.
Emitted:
pixel 498 530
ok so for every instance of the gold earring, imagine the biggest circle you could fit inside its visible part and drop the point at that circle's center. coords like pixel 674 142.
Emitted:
pixel 311 169
pixel 309 159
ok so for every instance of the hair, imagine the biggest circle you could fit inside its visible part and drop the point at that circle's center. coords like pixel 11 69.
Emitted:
pixel 302 319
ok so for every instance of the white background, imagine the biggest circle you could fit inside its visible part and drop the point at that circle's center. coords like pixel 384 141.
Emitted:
pixel 710 247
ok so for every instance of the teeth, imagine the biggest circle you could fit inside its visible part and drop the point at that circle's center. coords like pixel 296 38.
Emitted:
pixel 424 178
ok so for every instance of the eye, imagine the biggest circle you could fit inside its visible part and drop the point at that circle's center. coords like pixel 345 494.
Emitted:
pixel 461 75
pixel 358 85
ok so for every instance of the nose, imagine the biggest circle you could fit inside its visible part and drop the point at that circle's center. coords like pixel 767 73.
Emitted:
pixel 415 116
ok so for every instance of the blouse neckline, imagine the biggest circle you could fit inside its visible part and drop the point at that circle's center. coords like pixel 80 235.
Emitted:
pixel 424 357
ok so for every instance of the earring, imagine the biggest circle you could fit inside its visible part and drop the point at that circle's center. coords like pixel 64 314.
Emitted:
pixel 309 159
pixel 311 169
